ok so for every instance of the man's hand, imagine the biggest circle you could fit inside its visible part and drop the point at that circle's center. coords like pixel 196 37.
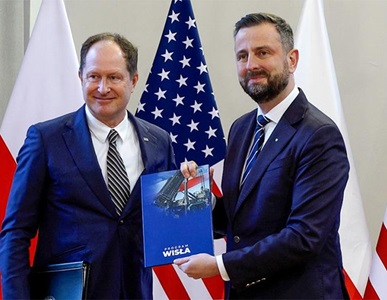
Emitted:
pixel 188 169
pixel 198 266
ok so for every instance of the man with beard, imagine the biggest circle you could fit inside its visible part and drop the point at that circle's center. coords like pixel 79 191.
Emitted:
pixel 281 212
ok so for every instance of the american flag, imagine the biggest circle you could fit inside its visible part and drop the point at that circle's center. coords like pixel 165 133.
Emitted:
pixel 178 97
pixel 178 94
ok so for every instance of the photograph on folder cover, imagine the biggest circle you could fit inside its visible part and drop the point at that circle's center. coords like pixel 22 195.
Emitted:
pixel 177 215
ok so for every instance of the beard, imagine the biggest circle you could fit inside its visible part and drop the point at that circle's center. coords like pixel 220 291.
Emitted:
pixel 262 93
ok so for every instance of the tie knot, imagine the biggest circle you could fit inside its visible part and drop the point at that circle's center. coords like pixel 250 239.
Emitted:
pixel 112 136
pixel 262 120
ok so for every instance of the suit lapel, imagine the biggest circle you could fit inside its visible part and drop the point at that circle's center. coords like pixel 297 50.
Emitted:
pixel 147 142
pixel 78 141
pixel 278 141
pixel 238 146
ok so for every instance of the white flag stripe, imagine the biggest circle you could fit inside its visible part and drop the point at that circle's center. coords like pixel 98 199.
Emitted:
pixel 195 288
pixel 218 171
pixel 158 289
pixel 47 84
pixel 219 246
pixel 378 277
pixel 317 77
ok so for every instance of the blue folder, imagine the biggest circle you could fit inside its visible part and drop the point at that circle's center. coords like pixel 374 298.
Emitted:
pixel 60 281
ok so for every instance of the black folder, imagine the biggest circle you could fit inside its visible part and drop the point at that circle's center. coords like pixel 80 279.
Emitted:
pixel 60 281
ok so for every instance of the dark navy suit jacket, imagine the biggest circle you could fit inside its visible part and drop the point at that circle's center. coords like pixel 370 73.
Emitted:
pixel 59 190
pixel 282 225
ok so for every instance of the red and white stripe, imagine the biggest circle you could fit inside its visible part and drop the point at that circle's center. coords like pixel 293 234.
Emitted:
pixel 47 86
pixel 377 282
pixel 322 90
pixel 169 282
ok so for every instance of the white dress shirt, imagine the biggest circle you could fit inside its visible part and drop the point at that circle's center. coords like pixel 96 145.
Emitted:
pixel 127 145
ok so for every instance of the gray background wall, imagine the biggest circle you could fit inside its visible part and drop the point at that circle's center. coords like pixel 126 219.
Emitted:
pixel 357 32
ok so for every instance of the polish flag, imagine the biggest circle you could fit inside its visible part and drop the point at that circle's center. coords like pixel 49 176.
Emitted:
pixel 377 282
pixel 47 86
pixel 317 77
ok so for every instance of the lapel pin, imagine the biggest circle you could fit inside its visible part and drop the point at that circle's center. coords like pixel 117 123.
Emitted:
pixel 146 139
pixel 276 140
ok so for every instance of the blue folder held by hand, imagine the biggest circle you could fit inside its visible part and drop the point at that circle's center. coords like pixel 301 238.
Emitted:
pixel 60 281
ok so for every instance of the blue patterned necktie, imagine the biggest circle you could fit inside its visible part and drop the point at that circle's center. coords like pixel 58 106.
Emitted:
pixel 257 145
pixel 118 181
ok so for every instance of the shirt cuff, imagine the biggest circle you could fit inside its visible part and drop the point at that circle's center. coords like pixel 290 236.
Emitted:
pixel 221 268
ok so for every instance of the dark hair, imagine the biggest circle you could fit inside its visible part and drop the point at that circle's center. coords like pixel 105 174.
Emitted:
pixel 129 50
pixel 283 28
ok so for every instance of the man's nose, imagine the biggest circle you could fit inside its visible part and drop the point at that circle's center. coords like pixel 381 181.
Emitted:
pixel 253 63
pixel 103 86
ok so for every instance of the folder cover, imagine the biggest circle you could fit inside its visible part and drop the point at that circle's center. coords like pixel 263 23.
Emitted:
pixel 177 216
pixel 60 281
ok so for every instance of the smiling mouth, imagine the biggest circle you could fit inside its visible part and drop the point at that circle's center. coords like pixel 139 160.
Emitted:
pixel 256 79
pixel 103 99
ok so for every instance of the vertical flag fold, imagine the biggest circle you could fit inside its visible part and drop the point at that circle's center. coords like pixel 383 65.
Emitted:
pixel 178 97
pixel 316 76
pixel 47 86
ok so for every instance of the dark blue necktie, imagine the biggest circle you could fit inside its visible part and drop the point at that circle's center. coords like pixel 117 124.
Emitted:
pixel 257 145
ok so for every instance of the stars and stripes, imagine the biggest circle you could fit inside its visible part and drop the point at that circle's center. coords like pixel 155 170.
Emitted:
pixel 178 97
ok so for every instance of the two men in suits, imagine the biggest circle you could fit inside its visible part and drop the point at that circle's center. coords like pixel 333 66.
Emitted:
pixel 60 185
pixel 282 222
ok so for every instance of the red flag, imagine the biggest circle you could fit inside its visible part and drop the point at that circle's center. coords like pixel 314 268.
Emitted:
pixel 47 86
pixel 322 89
pixel 377 282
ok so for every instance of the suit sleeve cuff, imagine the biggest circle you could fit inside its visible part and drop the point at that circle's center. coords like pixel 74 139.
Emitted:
pixel 221 268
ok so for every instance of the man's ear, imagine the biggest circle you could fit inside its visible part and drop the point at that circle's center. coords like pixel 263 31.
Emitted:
pixel 134 80
pixel 293 56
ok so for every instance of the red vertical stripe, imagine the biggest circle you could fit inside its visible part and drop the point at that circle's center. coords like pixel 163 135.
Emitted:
pixel 215 286
pixel 381 247
pixel 215 189
pixel 170 282
pixel 7 169
pixel 370 293
pixel 351 288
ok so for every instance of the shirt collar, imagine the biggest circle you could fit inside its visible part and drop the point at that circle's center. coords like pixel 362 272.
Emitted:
pixel 275 114
pixel 101 131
